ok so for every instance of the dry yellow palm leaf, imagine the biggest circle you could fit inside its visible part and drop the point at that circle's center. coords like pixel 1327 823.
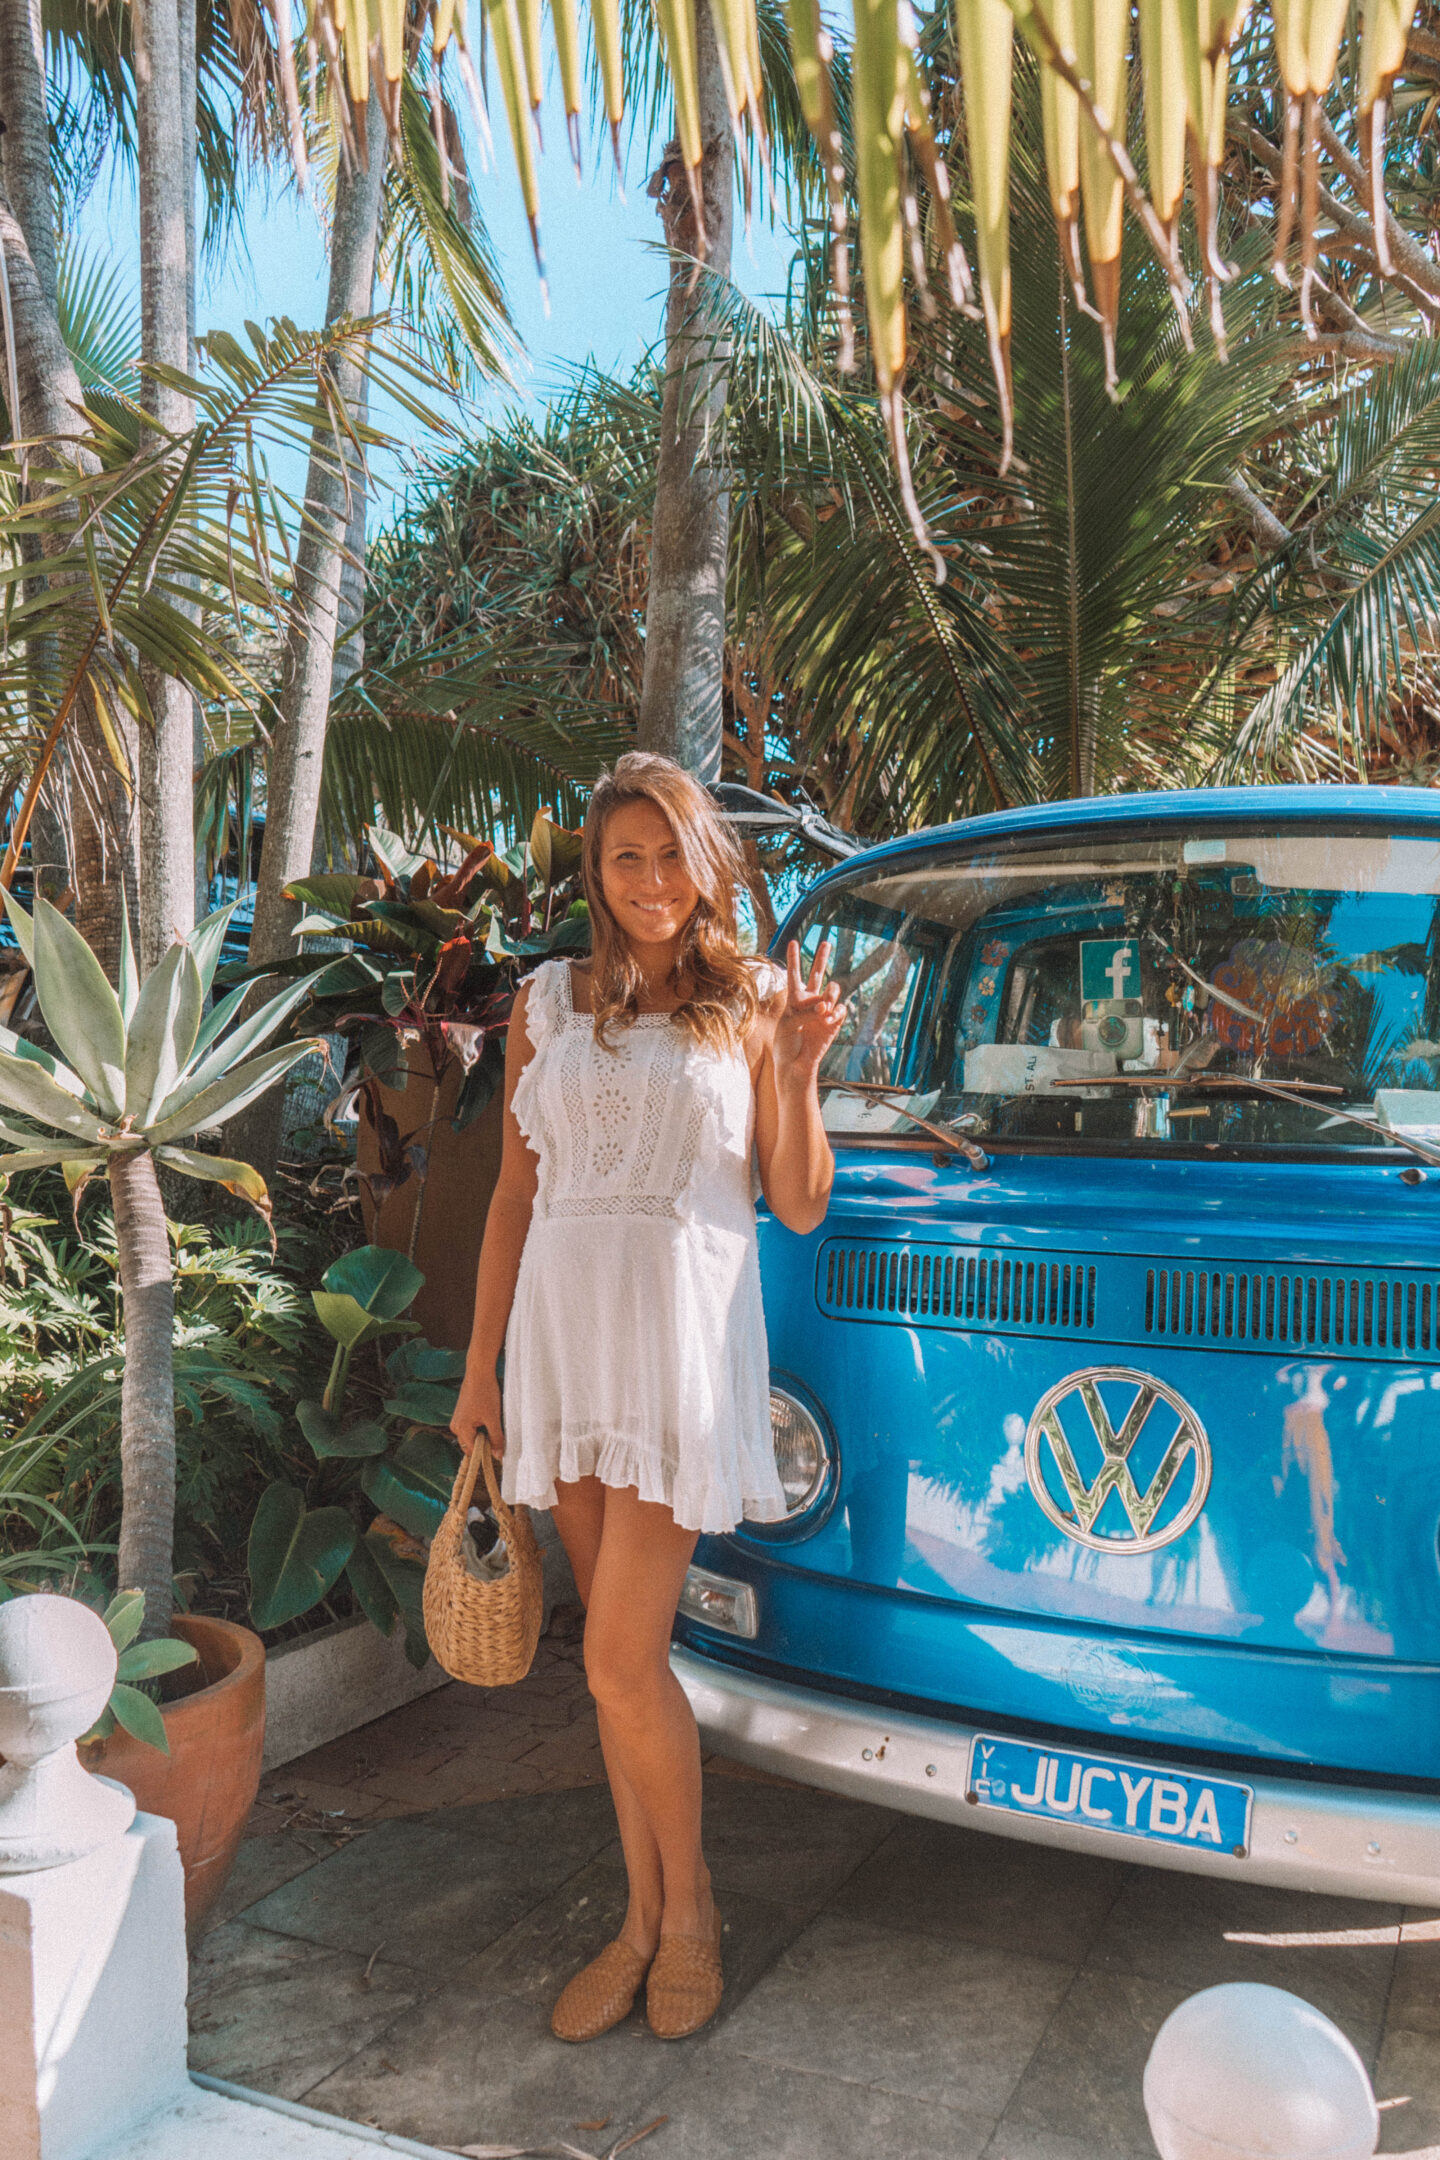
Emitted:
pixel 677 30
pixel 1102 43
pixel 985 37
pixel 529 16
pixel 605 25
pixel 933 166
pixel 1060 127
pixel 509 66
pixel 1385 30
pixel 567 54
pixel 879 123
pixel 392 37
pixel 1167 111
pixel 811 53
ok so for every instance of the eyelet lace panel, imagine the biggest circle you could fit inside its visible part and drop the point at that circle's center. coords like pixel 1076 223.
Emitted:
pixel 636 1350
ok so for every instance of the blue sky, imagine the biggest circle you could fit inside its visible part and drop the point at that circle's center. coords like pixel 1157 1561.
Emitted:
pixel 605 277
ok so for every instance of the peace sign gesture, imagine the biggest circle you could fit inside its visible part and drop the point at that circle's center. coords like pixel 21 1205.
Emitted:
pixel 813 1016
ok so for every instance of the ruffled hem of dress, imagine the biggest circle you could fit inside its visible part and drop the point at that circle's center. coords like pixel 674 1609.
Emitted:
pixel 619 1463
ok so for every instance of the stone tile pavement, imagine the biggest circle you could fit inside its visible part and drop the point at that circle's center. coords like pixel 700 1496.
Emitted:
pixel 412 1898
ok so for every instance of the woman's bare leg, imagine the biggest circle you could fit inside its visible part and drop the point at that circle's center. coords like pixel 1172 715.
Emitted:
pixel 580 1519
pixel 647 1728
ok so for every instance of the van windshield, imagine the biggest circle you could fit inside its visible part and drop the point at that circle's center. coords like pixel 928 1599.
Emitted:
pixel 1235 987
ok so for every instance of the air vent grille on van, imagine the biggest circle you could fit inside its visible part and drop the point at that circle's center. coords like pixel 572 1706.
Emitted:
pixel 957 1286
pixel 1297 1308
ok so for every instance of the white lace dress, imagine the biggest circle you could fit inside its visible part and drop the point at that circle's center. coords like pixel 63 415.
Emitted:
pixel 636 1347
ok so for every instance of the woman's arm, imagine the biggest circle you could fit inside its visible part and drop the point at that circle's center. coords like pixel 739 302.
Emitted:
pixel 506 1225
pixel 797 1166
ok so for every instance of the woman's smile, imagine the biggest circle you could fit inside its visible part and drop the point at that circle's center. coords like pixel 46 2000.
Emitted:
pixel 646 884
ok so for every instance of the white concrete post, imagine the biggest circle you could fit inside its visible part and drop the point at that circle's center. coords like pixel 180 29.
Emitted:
pixel 92 1924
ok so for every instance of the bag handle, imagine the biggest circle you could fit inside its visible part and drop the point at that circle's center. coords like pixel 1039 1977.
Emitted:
pixel 480 1457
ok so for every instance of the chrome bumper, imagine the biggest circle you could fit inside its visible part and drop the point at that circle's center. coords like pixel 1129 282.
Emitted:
pixel 1332 1838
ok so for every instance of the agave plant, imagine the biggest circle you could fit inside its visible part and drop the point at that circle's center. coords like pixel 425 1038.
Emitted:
pixel 142 1072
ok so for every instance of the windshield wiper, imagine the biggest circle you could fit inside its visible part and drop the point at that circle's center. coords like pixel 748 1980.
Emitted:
pixel 1301 1092
pixel 870 1091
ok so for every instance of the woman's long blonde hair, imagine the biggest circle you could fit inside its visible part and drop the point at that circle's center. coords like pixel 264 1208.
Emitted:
pixel 720 989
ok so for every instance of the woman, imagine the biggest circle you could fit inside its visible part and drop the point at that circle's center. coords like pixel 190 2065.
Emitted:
pixel 619 1273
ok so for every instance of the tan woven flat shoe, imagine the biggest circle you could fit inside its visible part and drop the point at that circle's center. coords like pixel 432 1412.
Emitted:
pixel 600 1994
pixel 685 1985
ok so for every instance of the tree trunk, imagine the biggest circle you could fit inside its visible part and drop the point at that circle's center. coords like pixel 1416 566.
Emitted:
pixel 297 749
pixel 349 637
pixel 681 704
pixel 167 183
pixel 147 1389
pixel 292 781
pixel 97 813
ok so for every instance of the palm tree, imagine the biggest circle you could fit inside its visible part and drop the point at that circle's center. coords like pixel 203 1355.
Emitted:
pixel 50 415
pixel 163 58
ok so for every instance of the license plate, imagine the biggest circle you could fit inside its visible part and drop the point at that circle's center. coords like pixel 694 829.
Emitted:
pixel 1140 1800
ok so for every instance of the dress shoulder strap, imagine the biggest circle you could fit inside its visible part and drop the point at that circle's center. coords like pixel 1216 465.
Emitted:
pixel 549 1004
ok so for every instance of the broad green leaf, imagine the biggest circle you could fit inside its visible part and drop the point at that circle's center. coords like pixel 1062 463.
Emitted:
pixel 81 1010
pixel 329 1436
pixel 318 926
pixel 213 1105
pixel 139 1716
pixel 405 1579
pixel 334 893
pixel 28 1088
pixel 20 923
pixel 205 942
pixel 147 1660
pixel 162 1032
pixel 420 1360
pixel 123 1616
pixel 367 1579
pixel 295 1555
pixel 389 849
pixel 425 1402
pixel 413 1485
pixel 348 1322
pixel 381 1281
pixel 102 1728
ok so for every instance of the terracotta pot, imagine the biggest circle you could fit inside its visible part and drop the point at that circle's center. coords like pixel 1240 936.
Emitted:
pixel 208 1781
pixel 438 1221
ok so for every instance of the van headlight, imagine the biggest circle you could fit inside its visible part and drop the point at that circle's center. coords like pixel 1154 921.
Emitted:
pixel 802 1452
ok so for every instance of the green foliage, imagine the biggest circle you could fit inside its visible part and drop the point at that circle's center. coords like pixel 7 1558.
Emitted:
pixel 396 1458
pixel 138 1662
pixel 429 978
pixel 243 1348
pixel 296 1554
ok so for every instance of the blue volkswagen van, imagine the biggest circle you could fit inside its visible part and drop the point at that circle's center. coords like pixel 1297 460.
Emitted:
pixel 1107 1397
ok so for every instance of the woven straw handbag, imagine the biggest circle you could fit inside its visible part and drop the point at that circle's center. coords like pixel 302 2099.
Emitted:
pixel 483 1625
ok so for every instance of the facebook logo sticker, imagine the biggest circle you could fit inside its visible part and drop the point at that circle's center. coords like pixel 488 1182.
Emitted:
pixel 1109 969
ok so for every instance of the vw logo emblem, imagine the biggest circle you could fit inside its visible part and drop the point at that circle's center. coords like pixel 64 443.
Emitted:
pixel 1074 1504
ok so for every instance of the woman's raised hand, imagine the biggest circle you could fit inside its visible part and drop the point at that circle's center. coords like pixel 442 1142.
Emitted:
pixel 813 1016
pixel 478 1409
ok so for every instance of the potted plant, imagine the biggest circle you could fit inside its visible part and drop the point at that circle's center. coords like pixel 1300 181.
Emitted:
pixel 138 1074
pixel 423 997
